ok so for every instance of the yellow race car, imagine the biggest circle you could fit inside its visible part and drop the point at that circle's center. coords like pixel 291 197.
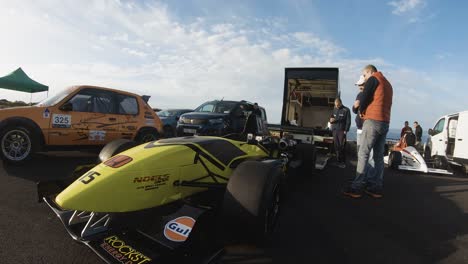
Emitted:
pixel 174 200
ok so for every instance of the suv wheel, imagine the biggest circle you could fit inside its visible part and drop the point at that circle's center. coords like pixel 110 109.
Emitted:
pixel 16 144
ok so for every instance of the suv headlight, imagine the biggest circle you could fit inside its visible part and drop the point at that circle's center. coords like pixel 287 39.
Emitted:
pixel 182 120
pixel 216 121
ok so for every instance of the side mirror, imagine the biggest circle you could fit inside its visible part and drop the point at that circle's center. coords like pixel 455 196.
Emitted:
pixel 430 132
pixel 177 118
pixel 67 107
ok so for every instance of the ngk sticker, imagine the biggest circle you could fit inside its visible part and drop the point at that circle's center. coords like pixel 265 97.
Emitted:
pixel 178 230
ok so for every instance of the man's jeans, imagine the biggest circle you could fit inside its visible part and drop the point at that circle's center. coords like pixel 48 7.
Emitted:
pixel 370 172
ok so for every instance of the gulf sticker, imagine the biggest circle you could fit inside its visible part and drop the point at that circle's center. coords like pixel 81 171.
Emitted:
pixel 178 230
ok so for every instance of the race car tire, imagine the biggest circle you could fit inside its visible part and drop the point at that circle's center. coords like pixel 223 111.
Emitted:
pixel 308 155
pixel 441 162
pixel 147 135
pixel 17 144
pixel 115 147
pixel 252 199
pixel 394 160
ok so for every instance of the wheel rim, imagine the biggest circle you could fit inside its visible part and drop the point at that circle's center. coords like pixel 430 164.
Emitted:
pixel 16 145
pixel 272 212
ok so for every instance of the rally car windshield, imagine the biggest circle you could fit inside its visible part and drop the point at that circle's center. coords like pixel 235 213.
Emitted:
pixel 217 107
pixel 56 98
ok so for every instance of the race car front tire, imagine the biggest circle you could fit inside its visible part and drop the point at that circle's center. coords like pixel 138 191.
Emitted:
pixel 17 144
pixel 394 160
pixel 115 147
pixel 252 199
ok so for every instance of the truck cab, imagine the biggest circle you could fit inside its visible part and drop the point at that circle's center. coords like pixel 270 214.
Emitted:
pixel 448 141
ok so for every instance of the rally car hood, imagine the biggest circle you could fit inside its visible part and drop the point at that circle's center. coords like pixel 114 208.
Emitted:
pixel 148 175
pixel 31 112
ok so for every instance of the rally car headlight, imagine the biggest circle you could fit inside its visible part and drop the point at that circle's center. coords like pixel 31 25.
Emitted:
pixel 216 121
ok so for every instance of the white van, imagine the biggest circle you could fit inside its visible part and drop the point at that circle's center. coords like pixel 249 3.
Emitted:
pixel 448 141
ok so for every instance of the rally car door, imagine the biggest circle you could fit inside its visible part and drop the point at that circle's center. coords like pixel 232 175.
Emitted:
pixel 128 109
pixel 87 118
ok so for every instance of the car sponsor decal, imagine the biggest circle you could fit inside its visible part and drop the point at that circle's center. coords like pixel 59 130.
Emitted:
pixel 122 252
pixel 46 113
pixel 118 161
pixel 178 230
pixel 61 121
pixel 151 182
pixel 149 122
pixel 97 135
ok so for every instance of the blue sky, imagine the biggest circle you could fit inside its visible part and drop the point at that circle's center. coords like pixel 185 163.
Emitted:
pixel 186 52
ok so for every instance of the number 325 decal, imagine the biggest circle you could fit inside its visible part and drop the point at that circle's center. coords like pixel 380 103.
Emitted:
pixel 61 121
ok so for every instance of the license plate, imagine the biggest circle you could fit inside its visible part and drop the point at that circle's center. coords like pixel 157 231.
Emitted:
pixel 190 131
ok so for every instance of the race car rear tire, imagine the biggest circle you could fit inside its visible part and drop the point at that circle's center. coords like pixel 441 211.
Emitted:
pixel 17 144
pixel 394 160
pixel 115 147
pixel 252 199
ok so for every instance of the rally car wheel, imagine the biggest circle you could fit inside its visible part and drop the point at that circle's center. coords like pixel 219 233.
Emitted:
pixel 394 160
pixel 147 135
pixel 115 147
pixel 252 199
pixel 17 144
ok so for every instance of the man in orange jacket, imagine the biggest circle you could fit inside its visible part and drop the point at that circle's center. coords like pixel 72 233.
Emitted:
pixel 375 107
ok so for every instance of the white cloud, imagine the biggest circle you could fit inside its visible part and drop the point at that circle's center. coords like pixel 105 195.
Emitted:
pixel 146 50
pixel 404 6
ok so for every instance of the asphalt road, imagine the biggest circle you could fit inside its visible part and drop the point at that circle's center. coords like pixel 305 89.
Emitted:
pixel 422 219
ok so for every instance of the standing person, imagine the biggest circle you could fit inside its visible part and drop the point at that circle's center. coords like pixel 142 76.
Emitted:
pixel 341 121
pixel 375 107
pixel 418 132
pixel 360 84
pixel 256 109
pixel 406 129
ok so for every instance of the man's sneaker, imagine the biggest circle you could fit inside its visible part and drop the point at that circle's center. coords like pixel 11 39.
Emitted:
pixel 374 193
pixel 353 193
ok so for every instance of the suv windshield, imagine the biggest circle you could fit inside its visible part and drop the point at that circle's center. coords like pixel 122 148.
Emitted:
pixel 167 113
pixel 217 107
pixel 56 98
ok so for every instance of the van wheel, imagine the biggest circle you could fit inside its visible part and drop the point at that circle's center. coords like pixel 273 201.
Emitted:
pixel 394 160
pixel 17 144
pixel 252 199
pixel 147 135
pixel 115 147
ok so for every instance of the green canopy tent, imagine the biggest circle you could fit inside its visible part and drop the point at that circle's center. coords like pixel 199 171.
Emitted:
pixel 19 81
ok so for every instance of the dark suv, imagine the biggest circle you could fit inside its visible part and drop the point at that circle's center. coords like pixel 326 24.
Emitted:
pixel 219 118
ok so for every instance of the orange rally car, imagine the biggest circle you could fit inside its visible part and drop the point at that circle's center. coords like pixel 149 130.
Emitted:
pixel 78 116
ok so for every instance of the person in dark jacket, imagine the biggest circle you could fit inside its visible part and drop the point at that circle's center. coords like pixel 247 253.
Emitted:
pixel 406 129
pixel 418 131
pixel 341 122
